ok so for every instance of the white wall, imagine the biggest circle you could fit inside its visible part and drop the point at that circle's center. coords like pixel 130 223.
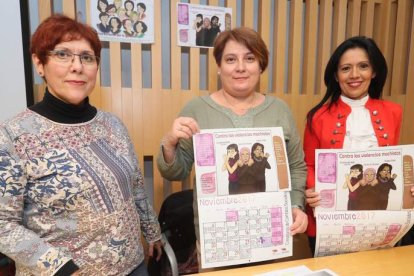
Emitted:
pixel 12 82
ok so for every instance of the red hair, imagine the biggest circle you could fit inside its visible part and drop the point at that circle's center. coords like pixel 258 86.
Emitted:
pixel 60 28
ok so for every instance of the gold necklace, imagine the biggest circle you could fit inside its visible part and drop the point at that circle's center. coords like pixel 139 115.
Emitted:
pixel 232 106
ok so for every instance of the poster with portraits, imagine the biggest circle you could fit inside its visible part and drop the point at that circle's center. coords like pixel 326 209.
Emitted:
pixel 366 201
pixel 243 184
pixel 199 25
pixel 123 20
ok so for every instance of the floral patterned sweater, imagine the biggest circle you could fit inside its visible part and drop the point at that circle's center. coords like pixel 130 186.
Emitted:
pixel 72 193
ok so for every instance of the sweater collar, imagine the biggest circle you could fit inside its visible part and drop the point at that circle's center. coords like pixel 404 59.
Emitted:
pixel 58 111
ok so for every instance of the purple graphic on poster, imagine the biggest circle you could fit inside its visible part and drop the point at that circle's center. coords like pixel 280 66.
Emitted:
pixel 328 198
pixel 327 168
pixel 183 14
pixel 184 35
pixel 208 183
pixel 205 149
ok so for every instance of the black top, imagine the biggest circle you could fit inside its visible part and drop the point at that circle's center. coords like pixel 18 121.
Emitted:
pixel 60 112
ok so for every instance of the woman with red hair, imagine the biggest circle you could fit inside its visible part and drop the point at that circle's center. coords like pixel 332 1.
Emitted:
pixel 72 198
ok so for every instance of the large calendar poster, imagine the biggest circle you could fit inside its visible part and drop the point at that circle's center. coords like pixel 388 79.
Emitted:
pixel 366 200
pixel 243 184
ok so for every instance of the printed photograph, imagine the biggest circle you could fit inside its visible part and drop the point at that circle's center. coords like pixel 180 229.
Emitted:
pixel 199 25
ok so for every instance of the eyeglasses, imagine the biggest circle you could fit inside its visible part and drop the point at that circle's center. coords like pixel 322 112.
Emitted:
pixel 65 56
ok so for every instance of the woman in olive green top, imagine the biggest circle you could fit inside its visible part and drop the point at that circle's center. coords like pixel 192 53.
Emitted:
pixel 241 56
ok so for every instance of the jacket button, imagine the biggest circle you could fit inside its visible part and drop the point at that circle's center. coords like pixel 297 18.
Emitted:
pixel 375 113
pixel 338 124
pixel 381 128
pixel 378 121
pixel 335 131
pixel 339 116
pixel 333 141
pixel 385 135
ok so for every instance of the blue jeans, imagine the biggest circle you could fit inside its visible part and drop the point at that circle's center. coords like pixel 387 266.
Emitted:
pixel 141 270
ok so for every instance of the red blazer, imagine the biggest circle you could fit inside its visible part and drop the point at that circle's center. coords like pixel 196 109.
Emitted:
pixel 328 132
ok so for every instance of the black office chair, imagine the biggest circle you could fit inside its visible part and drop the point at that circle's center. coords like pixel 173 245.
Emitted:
pixel 408 238
pixel 178 234
pixel 7 267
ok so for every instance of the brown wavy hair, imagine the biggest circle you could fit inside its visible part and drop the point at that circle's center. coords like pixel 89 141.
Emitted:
pixel 246 36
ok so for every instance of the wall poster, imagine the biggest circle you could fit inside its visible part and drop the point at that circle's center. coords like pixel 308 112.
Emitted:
pixel 199 25
pixel 123 20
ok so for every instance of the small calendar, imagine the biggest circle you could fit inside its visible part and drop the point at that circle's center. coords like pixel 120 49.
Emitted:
pixel 242 232
pixel 346 232
pixel 251 228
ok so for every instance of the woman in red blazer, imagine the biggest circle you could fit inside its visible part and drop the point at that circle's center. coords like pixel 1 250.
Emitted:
pixel 351 114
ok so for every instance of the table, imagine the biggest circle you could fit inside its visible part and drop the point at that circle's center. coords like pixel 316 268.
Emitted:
pixel 391 261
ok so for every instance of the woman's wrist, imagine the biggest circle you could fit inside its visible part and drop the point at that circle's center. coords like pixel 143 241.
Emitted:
pixel 298 207
pixel 168 150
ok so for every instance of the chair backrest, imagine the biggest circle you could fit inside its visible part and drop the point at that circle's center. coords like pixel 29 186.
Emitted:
pixel 7 267
pixel 176 219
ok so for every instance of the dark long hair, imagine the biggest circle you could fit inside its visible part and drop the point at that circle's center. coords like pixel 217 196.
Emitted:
pixel 360 168
pixel 236 149
pixel 382 166
pixel 255 145
pixel 333 91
